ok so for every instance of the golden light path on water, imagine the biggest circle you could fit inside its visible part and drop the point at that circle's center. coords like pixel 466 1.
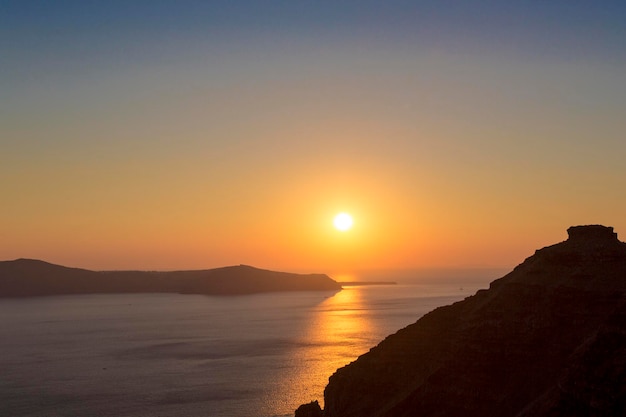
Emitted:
pixel 338 331
pixel 342 326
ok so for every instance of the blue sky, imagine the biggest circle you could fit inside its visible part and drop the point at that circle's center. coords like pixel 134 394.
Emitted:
pixel 43 31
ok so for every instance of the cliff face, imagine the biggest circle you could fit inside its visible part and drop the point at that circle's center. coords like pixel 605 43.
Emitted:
pixel 548 339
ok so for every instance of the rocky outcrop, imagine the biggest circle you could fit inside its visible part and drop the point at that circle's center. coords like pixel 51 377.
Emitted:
pixel 28 277
pixel 311 409
pixel 548 339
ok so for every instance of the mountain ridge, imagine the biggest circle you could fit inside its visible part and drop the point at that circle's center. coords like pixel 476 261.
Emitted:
pixel 32 277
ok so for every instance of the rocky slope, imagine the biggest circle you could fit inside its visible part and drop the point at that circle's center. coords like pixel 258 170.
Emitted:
pixel 28 277
pixel 548 339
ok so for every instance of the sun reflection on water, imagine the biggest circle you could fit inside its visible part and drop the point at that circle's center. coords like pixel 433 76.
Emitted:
pixel 338 331
pixel 339 327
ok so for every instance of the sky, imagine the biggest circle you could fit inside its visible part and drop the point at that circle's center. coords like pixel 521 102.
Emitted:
pixel 197 134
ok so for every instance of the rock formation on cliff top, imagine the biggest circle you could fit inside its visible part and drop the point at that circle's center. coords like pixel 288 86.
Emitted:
pixel 547 339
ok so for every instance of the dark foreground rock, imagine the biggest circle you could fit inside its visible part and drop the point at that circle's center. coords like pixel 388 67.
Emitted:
pixel 548 339
pixel 28 277
pixel 311 409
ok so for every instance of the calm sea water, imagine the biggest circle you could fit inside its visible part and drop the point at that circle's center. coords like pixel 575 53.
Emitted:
pixel 193 355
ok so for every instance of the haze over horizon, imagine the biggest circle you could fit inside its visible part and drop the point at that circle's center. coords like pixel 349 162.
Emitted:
pixel 189 135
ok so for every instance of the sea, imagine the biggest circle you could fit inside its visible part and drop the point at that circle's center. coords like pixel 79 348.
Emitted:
pixel 161 355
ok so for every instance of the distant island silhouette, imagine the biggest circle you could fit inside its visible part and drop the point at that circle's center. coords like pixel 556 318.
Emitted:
pixel 30 277
pixel 546 340
pixel 362 283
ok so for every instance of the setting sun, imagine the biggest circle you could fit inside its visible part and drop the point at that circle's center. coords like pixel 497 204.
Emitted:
pixel 343 222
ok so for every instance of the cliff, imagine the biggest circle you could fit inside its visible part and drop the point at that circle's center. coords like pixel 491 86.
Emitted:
pixel 547 339
pixel 28 277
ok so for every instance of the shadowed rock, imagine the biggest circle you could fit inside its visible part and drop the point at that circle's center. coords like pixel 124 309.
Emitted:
pixel 311 409
pixel 548 339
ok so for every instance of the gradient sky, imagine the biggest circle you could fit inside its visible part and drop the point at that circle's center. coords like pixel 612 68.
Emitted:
pixel 196 134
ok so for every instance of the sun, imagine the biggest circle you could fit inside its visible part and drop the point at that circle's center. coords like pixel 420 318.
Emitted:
pixel 343 222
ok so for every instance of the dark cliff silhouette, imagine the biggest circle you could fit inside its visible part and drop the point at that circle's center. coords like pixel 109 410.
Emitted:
pixel 28 277
pixel 547 339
